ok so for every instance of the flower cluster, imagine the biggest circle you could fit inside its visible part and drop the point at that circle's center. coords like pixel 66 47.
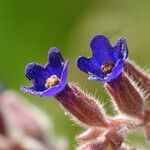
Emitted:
pixel 122 80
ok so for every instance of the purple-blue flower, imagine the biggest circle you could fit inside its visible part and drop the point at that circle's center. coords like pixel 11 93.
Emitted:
pixel 48 80
pixel 107 61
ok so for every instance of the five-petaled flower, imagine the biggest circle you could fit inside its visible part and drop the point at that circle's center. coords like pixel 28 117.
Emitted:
pixel 48 80
pixel 107 61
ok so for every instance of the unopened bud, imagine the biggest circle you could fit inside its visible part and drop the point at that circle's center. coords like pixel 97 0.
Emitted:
pixel 9 144
pixel 115 135
pixel 141 77
pixel 99 145
pixel 83 107
pixel 138 74
pixel 126 96
pixel 16 114
pixel 147 131
pixel 108 145
pixel 24 127
pixel 126 147
pixel 146 116
pixel 90 134
pixel 91 146
pixel 2 124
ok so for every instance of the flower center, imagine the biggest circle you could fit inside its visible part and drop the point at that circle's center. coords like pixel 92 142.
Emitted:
pixel 107 67
pixel 52 81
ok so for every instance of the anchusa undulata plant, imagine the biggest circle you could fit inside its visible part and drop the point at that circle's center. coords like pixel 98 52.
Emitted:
pixel 127 85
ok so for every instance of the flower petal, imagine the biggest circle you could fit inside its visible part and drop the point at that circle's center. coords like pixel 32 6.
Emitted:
pixel 52 91
pixel 29 90
pixel 55 62
pixel 101 49
pixel 37 75
pixel 55 58
pixel 89 65
pixel 120 49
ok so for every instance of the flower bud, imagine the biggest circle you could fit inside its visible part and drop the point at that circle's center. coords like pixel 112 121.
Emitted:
pixel 9 144
pixel 126 96
pixel 2 125
pixel 138 74
pixel 23 125
pixel 146 116
pixel 141 77
pixel 126 147
pixel 115 135
pixel 91 146
pixel 108 145
pixel 90 134
pixel 147 131
pixel 99 145
pixel 21 116
pixel 83 107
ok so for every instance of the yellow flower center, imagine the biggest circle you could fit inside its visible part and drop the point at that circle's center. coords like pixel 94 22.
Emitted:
pixel 107 67
pixel 52 81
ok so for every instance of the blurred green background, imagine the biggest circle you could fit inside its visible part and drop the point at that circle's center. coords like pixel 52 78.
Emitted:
pixel 28 28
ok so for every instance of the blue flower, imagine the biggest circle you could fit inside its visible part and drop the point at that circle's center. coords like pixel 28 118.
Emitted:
pixel 48 80
pixel 107 61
